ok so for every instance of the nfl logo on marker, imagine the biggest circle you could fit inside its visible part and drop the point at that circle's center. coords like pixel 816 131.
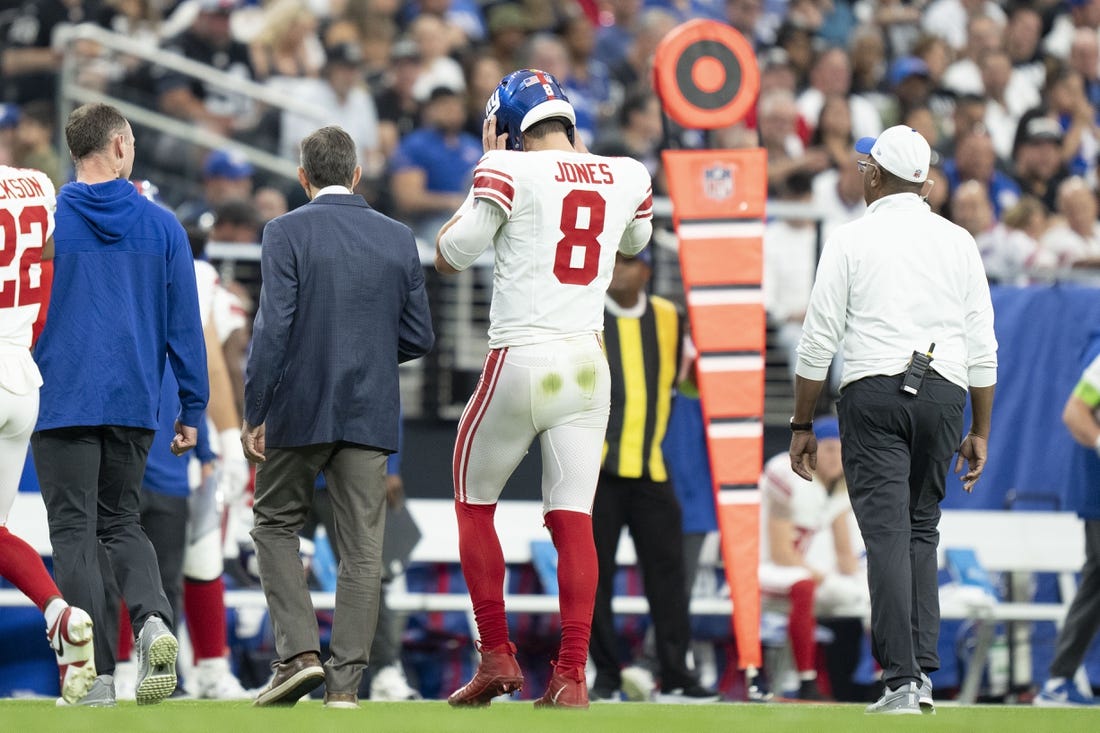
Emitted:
pixel 718 182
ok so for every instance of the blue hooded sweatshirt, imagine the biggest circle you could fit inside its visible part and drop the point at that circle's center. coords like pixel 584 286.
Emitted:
pixel 165 472
pixel 124 295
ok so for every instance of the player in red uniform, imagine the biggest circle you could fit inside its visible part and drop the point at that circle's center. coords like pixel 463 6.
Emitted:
pixel 556 216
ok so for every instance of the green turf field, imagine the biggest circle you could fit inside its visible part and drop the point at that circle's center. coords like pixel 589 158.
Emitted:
pixel 39 716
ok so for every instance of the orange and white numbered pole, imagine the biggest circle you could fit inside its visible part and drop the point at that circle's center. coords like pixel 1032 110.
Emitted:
pixel 705 73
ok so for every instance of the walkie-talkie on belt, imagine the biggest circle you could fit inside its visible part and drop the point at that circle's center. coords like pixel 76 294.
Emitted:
pixel 914 375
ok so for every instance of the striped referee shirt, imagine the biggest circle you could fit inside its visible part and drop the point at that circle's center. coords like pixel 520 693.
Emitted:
pixel 643 352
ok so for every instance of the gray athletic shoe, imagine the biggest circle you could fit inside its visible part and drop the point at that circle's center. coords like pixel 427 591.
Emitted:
pixel 156 649
pixel 100 695
pixel 904 700
pixel 924 695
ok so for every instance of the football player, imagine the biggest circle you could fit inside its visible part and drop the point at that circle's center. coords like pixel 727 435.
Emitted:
pixel 556 216
pixel 27 207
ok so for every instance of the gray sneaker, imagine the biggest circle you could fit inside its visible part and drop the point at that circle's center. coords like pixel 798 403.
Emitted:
pixel 156 649
pixel 100 695
pixel 901 701
pixel 924 695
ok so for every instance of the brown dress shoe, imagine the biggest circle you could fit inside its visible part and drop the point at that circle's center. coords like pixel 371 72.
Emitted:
pixel 294 678
pixel 498 674
pixel 341 700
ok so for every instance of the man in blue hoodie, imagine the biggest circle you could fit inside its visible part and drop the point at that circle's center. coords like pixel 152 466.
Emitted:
pixel 124 298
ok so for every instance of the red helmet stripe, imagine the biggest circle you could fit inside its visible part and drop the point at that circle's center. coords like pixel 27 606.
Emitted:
pixel 545 84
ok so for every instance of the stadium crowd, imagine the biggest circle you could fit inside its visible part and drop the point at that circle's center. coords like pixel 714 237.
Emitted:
pixel 1007 93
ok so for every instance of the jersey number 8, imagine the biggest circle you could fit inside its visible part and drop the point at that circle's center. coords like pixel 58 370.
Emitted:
pixel 577 258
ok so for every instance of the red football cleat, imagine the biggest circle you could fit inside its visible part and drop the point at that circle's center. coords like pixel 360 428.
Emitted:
pixel 497 674
pixel 566 690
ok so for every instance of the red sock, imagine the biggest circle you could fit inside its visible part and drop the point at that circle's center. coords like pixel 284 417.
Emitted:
pixel 483 568
pixel 801 625
pixel 125 633
pixel 577 574
pixel 22 566
pixel 204 608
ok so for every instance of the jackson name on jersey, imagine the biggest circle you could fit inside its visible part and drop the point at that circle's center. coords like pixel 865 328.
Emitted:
pixel 27 205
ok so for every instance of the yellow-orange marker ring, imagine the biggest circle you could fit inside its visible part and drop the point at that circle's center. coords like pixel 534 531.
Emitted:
pixel 706 75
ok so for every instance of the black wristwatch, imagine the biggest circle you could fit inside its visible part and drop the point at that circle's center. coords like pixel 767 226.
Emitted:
pixel 801 427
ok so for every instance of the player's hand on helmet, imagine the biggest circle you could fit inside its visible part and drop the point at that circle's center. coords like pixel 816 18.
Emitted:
pixel 490 140
pixel 235 471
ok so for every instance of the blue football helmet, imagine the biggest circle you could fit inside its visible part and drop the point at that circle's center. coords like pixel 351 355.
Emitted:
pixel 525 97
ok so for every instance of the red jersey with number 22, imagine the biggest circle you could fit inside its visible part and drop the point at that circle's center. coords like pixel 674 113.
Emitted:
pixel 566 214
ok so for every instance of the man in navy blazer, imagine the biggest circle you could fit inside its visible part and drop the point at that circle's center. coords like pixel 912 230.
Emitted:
pixel 342 304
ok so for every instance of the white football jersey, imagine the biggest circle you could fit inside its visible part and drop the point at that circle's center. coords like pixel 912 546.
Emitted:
pixel 206 278
pixel 27 206
pixel 217 302
pixel 806 504
pixel 566 214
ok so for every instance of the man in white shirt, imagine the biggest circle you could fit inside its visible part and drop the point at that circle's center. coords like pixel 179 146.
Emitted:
pixel 948 18
pixel 346 102
pixel 832 74
pixel 790 256
pixel 838 196
pixel 896 285
pixel 1075 240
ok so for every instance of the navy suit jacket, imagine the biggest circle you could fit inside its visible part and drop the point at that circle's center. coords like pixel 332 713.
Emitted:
pixel 342 304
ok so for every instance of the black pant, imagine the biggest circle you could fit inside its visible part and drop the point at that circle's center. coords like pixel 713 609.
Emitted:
pixel 1083 618
pixel 897 451
pixel 651 512
pixel 164 519
pixel 91 484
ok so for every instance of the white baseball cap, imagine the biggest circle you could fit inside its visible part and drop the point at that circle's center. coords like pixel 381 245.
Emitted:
pixel 901 150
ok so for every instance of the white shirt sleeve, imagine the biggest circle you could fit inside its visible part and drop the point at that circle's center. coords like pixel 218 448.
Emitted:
pixel 50 201
pixel 981 343
pixel 472 234
pixel 638 232
pixel 636 236
pixel 823 328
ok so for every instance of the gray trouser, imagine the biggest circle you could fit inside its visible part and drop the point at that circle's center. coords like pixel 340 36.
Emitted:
pixel 284 492
pixel 386 647
pixel 897 451
pixel 1083 618
pixel 91 484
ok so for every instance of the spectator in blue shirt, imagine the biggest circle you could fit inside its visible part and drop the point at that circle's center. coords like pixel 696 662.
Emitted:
pixel 431 167
pixel 613 41
pixel 975 160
